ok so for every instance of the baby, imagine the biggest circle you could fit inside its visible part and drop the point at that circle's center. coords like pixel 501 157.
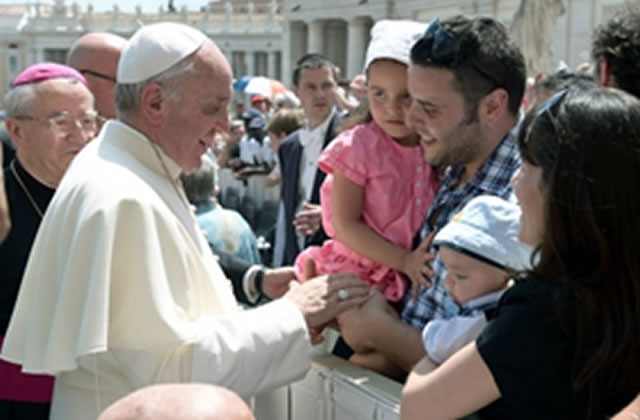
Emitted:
pixel 480 249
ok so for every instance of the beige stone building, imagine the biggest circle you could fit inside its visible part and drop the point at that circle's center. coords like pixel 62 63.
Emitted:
pixel 340 28
pixel 249 33
pixel 266 37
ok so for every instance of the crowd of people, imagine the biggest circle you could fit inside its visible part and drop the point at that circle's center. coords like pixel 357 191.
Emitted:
pixel 463 232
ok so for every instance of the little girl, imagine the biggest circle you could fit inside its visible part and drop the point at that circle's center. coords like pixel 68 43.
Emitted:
pixel 378 187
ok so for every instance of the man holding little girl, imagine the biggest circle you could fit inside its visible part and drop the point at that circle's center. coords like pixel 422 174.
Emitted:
pixel 537 357
pixel 465 81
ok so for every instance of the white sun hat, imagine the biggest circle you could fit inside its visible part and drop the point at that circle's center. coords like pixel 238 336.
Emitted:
pixel 393 39
pixel 487 229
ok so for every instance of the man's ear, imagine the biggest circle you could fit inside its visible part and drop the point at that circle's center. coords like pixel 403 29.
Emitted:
pixel 494 105
pixel 14 128
pixel 605 77
pixel 153 103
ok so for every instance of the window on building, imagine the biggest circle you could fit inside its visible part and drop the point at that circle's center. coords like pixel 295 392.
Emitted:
pixel 239 63
pixel 56 55
pixel 277 65
pixel 261 65
pixel 14 63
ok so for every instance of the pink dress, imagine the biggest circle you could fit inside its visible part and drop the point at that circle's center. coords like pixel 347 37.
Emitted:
pixel 398 189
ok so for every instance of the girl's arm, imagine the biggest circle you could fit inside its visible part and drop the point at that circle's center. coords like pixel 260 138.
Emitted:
pixel 460 386
pixel 346 202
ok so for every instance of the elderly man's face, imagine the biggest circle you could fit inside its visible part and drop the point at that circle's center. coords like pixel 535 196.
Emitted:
pixel 59 123
pixel 200 112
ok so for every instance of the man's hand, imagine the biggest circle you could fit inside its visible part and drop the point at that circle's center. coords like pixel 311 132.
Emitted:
pixel 276 281
pixel 358 325
pixel 307 221
pixel 322 298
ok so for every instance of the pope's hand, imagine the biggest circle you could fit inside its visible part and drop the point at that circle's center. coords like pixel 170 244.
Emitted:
pixel 322 298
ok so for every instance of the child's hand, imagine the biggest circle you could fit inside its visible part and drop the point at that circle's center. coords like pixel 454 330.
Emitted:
pixel 307 221
pixel 416 265
pixel 308 270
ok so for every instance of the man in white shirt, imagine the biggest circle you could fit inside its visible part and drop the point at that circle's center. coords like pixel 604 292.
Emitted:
pixel 121 289
pixel 299 220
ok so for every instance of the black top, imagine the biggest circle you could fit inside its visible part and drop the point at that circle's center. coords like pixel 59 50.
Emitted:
pixel 8 152
pixel 531 357
pixel 14 251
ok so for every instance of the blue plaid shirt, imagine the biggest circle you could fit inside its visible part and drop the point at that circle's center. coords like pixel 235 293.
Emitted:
pixel 492 178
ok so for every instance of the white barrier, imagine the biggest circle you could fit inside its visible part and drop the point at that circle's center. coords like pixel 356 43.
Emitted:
pixel 334 389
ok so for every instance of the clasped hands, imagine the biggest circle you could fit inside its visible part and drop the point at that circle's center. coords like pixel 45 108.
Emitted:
pixel 321 298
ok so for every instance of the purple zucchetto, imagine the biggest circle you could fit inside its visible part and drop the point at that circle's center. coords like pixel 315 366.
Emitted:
pixel 45 71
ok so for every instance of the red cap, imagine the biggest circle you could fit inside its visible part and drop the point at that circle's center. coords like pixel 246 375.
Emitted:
pixel 257 99
pixel 45 71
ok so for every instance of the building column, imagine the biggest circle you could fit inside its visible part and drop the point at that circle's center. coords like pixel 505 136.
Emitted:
pixel 4 58
pixel 37 55
pixel 596 13
pixel 229 55
pixel 251 67
pixel 356 46
pixel 285 57
pixel 271 64
pixel 569 34
pixel 316 37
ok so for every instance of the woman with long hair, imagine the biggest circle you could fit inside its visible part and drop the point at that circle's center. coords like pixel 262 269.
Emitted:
pixel 565 340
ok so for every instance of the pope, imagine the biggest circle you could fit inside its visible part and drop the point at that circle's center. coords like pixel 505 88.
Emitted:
pixel 121 290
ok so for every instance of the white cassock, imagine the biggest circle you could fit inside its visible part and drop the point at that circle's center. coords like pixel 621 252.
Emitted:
pixel 121 291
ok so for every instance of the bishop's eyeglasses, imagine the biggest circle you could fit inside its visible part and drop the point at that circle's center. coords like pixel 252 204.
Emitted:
pixel 63 123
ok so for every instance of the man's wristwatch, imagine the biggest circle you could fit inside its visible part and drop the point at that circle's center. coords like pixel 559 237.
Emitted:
pixel 257 282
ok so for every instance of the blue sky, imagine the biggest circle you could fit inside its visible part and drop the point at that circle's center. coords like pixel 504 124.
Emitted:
pixel 128 5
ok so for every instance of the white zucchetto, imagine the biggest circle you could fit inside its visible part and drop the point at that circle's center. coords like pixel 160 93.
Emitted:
pixel 155 48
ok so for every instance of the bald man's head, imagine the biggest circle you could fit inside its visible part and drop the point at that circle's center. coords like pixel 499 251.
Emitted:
pixel 179 402
pixel 96 56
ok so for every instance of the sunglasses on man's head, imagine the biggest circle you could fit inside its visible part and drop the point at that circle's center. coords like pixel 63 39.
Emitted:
pixel 447 50
pixel 551 103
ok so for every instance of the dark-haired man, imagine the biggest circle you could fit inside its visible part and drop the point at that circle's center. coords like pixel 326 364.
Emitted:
pixel 299 220
pixel 616 51
pixel 466 79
